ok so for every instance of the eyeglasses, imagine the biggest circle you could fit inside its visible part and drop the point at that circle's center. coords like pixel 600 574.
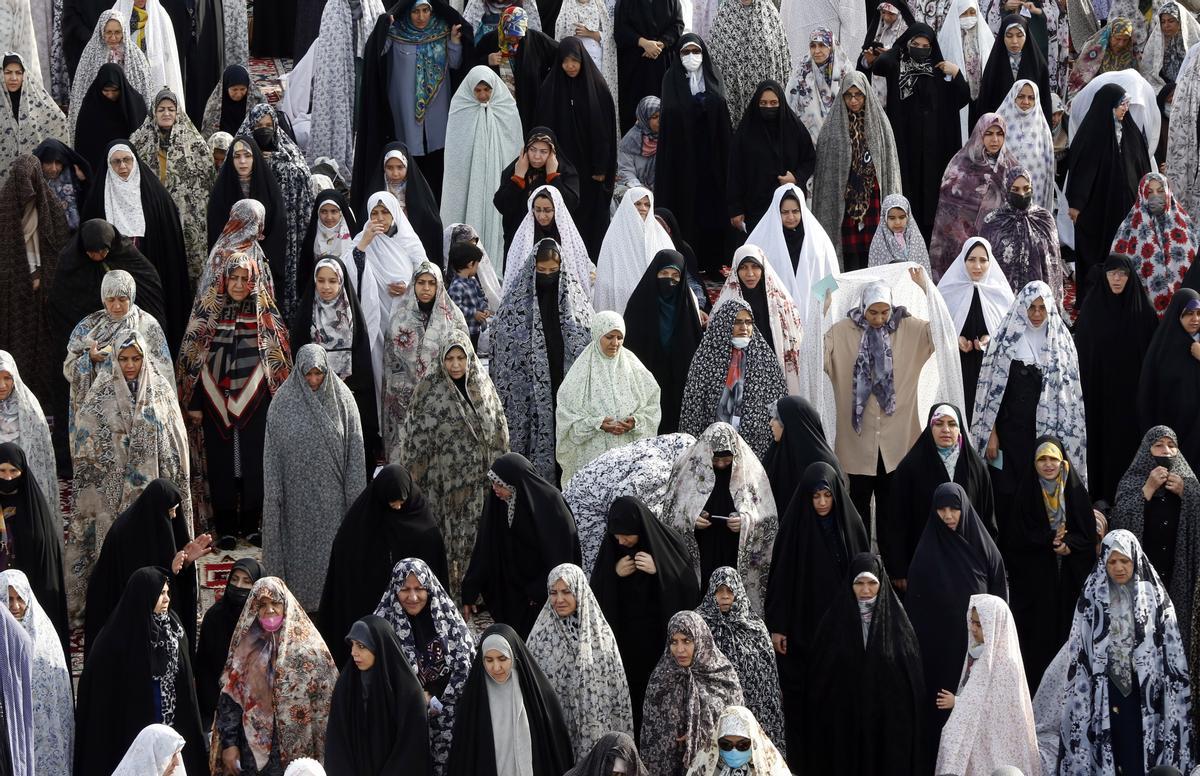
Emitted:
pixel 728 746
pixel 121 161
pixel 738 323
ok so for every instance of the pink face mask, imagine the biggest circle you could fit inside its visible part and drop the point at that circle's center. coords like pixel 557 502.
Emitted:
pixel 271 623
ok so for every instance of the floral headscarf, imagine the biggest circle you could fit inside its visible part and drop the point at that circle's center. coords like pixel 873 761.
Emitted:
pixel 1163 245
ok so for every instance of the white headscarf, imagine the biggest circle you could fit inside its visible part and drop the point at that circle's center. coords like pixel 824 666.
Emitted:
pixel 335 241
pixel 818 259
pixel 740 721
pixel 1028 136
pixel 572 249
pixel 957 288
pixel 151 752
pixel 629 246
pixel 510 723
pixel 123 198
pixel 480 137
pixel 950 41
pixel 388 260
pixel 992 720
pixel 160 47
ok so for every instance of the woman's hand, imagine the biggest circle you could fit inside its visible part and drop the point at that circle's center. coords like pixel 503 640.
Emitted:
pixel 1073 213
pixel 95 355
pixel 373 228
pixel 494 60
pixel 456 34
pixel 917 275
pixel 626 566
pixel 521 168
pixel 229 758
pixel 945 699
pixel 702 521
pixel 993 446
pixel 1175 484
pixel 645 563
pixel 779 641
pixel 468 611
pixel 1154 480
pixel 964 344
pixel 734 522
pixel 397 289
pixel 947 67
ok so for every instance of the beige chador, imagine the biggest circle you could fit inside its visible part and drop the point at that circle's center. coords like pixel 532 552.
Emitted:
pixel 888 435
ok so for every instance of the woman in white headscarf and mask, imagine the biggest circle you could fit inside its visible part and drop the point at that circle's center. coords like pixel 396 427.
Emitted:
pixel 607 399
pixel 634 237
pixel 967 41
pixel 482 133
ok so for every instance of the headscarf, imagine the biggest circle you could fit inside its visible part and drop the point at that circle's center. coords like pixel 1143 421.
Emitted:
pixel 874 374
pixel 641 470
pixel 782 319
pixel 16 691
pixel 603 757
pixel 414 341
pixel 686 702
pixel 992 720
pixel 37 117
pixel 96 54
pixel 742 636
pixel 972 186
pixel 1128 629
pixel 69 188
pixel 571 248
pixel 249 220
pixel 1027 135
pixel 480 139
pixel 212 333
pixel 1183 141
pixel 1025 240
pixel 705 396
pixel 431 42
pixel 333 321
pixel 642 140
pixel 812 90
pixel 748 45
pixel 597 387
pixel 765 758
pixel 629 245
pixel 841 184
pixel 1162 245
pixel 818 258
pixel 1060 412
pixel 579 655
pixel 50 681
pixel 1161 58
pixel 453 432
pixel 151 752
pixel 970 49
pixel 957 288
pixel 692 482
pixel 510 728
pixel 221 114
pixel 23 423
pixel 123 198
pixel 1129 513
pixel 156 39
pixel 323 241
pixel 521 362
pixel 309 430
pixel 803 443
pixel 1096 57
pixel 886 248
pixel 282 681
pixel 440 620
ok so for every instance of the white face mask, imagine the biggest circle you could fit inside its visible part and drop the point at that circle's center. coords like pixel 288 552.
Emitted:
pixel 975 651
pixel 967 22
pixel 740 342
pixel 691 62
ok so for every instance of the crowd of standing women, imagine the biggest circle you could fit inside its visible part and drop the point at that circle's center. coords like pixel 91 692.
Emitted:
pixel 595 387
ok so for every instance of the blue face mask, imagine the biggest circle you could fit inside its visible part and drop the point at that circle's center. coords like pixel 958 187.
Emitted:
pixel 735 759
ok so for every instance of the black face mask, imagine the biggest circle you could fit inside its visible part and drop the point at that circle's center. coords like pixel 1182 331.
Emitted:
pixel 265 137
pixel 1166 463
pixel 546 282
pixel 1020 201
pixel 919 54
pixel 769 114
pixel 236 596
pixel 666 286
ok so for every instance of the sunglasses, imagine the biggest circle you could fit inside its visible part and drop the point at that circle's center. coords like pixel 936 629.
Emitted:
pixel 741 746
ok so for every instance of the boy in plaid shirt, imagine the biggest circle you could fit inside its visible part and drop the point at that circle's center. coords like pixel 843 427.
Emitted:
pixel 465 289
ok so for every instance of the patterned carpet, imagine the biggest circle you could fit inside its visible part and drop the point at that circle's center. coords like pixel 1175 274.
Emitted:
pixel 267 73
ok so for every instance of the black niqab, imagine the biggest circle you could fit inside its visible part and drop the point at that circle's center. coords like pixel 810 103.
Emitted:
pixel 143 535
pixel 116 697
pixel 803 444
pixel 162 244
pixel 763 149
pixel 36 534
pixel 647 314
pixel 378 721
pixel 102 120
pixel 216 631
pixel 949 566
pixel 869 695
pixel 474 753
pixel 1169 388
pixel 914 481
pixel 372 539
pixel 1112 335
